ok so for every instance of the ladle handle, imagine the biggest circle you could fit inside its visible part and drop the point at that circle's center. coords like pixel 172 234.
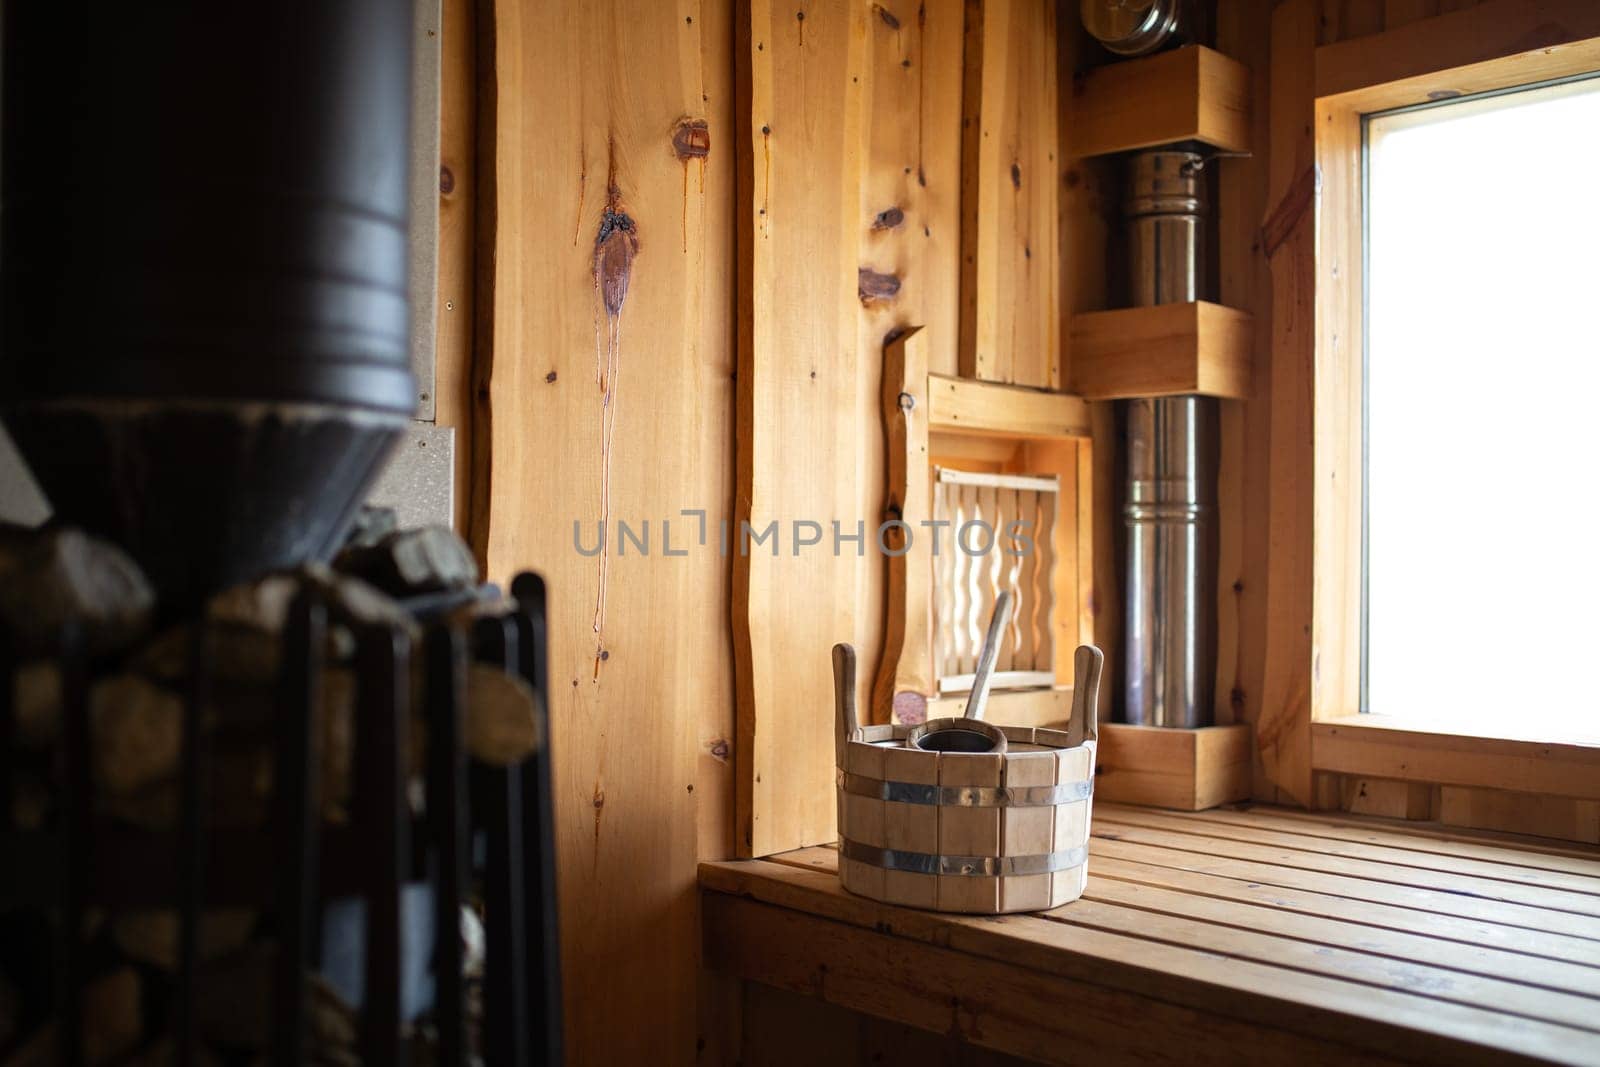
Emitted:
pixel 1087 664
pixel 844 700
pixel 978 702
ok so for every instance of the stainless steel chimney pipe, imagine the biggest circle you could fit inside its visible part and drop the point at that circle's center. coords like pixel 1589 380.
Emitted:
pixel 1172 468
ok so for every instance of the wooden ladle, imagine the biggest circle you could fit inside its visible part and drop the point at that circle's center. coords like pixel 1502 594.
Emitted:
pixel 978 701
pixel 970 733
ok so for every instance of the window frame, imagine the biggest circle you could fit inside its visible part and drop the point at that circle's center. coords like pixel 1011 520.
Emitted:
pixel 1379 73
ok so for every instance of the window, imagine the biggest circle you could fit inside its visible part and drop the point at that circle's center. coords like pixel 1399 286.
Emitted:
pixel 1481 420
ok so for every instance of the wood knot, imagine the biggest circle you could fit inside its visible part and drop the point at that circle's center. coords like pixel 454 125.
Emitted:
pixel 691 139
pixel 614 248
pixel 888 218
pixel 874 286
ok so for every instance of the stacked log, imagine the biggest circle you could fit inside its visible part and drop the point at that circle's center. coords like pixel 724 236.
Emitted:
pixel 140 672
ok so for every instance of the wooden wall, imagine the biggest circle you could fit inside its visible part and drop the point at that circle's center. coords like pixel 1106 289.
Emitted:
pixel 1265 214
pixel 848 228
pixel 1265 229
pixel 588 340
pixel 590 309
pixel 602 385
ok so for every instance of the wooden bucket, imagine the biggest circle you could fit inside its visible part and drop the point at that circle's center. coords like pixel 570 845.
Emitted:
pixel 960 831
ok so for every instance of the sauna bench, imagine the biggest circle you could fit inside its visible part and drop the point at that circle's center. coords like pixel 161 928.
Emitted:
pixel 1256 934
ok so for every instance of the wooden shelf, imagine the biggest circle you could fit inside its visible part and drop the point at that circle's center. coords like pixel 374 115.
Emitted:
pixel 1165 350
pixel 1191 94
pixel 1189 770
pixel 965 405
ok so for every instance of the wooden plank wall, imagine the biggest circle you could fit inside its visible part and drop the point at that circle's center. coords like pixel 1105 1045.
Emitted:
pixel 1264 213
pixel 802 405
pixel 1265 237
pixel 1010 276
pixel 545 130
pixel 1089 222
pixel 1244 281
pixel 850 168
pixel 555 147
pixel 604 367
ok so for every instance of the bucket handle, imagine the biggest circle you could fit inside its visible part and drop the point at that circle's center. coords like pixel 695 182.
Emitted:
pixel 1087 664
pixel 844 700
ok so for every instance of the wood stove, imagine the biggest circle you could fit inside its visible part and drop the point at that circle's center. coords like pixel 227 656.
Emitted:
pixel 204 361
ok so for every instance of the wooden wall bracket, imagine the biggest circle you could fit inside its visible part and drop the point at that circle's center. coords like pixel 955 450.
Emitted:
pixel 1189 770
pixel 1191 94
pixel 1164 350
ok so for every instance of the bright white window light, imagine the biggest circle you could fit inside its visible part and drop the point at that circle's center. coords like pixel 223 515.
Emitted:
pixel 1483 415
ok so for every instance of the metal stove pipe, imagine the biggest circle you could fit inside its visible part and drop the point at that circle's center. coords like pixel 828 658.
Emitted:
pixel 1172 468
pixel 203 272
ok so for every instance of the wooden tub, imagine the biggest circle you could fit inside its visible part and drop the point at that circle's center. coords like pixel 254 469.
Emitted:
pixel 969 832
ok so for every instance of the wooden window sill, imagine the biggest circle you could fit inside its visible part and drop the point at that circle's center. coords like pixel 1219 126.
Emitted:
pixel 1259 934
pixel 1377 747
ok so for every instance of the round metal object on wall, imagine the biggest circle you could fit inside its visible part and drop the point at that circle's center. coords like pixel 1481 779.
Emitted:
pixel 1132 27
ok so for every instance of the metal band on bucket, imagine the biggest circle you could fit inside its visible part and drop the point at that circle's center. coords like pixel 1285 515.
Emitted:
pixel 892 859
pixel 965 796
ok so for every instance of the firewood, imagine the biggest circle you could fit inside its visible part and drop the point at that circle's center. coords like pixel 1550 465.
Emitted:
pixel 36 693
pixel 502 724
pixel 338 742
pixel 136 744
pixel 135 735
pixel 240 790
pixel 234 1001
pixel 358 603
pixel 151 937
pixel 112 1023
pixel 372 524
pixel 245 626
pixel 68 576
pixel 414 561
pixel 31 802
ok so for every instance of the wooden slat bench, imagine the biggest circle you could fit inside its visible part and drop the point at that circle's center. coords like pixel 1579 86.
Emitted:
pixel 1258 935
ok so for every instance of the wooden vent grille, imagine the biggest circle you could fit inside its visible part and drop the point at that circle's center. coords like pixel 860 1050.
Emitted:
pixel 972 567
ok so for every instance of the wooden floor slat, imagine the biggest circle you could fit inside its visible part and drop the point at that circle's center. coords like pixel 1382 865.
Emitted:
pixel 1380 847
pixel 1213 926
pixel 1423 901
pixel 1473 898
pixel 1444 940
pixel 1519 848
